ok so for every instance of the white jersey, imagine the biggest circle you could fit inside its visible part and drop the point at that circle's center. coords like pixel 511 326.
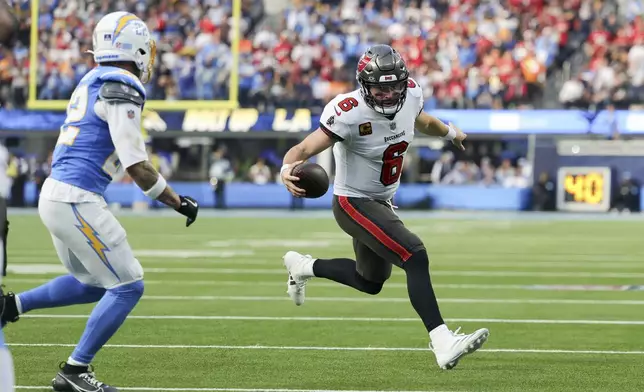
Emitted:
pixel 5 181
pixel 371 148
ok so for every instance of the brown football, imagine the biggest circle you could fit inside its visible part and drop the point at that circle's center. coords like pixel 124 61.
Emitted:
pixel 313 179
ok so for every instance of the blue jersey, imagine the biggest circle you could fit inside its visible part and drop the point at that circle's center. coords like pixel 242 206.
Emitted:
pixel 84 155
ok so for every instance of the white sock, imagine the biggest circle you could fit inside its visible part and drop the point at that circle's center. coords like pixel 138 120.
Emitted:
pixel 440 333
pixel 18 304
pixel 308 268
pixel 71 361
pixel 6 371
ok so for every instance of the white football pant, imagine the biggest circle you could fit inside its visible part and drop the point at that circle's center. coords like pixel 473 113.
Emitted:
pixel 6 364
pixel 90 242
pixel 6 370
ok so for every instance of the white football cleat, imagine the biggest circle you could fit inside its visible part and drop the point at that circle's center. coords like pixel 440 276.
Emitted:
pixel 450 350
pixel 300 270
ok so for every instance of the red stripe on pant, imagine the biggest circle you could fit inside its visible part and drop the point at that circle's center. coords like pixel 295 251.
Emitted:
pixel 373 229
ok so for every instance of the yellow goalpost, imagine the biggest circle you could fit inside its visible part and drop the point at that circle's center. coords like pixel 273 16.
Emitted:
pixel 37 104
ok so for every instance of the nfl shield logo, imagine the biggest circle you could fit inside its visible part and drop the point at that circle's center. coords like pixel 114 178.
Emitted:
pixel 392 126
pixel 130 114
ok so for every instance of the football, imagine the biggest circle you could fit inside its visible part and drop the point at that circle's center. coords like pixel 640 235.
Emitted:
pixel 313 179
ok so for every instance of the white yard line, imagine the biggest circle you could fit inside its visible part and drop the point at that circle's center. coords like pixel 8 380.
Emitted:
pixel 243 259
pixel 351 319
pixel 226 389
pixel 396 300
pixel 327 348
pixel 388 285
pixel 568 274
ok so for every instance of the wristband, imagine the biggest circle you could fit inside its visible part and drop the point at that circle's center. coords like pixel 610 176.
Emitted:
pixel 284 167
pixel 451 134
pixel 157 189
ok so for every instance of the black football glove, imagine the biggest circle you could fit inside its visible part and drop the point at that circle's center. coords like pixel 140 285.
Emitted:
pixel 189 208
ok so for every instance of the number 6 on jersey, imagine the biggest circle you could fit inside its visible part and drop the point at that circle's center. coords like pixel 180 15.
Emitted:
pixel 392 163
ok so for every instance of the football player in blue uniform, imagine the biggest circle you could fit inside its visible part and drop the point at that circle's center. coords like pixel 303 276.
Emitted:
pixel 101 136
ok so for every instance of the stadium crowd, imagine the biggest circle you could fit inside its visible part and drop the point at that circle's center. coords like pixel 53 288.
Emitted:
pixel 465 53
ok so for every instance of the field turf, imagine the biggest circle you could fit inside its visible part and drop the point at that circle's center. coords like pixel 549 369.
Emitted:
pixel 561 298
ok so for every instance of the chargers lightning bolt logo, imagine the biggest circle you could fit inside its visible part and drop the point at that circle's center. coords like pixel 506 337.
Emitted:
pixel 92 239
pixel 122 22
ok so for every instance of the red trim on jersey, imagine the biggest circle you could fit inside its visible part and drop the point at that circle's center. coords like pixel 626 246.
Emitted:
pixel 331 134
pixel 373 229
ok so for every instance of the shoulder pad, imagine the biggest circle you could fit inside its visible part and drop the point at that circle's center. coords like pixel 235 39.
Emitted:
pixel 119 92
pixel 413 88
pixel 113 74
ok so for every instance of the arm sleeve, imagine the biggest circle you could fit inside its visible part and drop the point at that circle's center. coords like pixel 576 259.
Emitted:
pixel 124 121
pixel 331 124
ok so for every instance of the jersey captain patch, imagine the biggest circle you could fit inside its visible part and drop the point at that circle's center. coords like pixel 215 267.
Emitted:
pixel 365 129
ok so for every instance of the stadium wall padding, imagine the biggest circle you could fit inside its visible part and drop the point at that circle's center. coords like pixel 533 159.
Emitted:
pixel 246 195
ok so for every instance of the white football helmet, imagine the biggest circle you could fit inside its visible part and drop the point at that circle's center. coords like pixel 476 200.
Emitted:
pixel 122 36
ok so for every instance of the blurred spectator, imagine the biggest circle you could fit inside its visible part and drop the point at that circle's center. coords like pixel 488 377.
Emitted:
pixel 516 179
pixel 18 172
pixel 479 54
pixel 487 172
pixel 464 172
pixel 259 173
pixel 221 172
pixel 543 194
pixel 573 93
pixel 505 172
pixel 442 167
pixel 613 70
pixel 627 198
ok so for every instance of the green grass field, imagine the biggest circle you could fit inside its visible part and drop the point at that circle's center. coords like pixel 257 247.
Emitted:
pixel 216 316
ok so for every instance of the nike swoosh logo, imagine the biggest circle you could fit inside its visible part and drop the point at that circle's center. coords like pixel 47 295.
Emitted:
pixel 191 202
pixel 78 388
pixel 338 113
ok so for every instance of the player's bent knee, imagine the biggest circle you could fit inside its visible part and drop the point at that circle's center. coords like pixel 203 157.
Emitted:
pixel 132 290
pixel 372 288
pixel 418 260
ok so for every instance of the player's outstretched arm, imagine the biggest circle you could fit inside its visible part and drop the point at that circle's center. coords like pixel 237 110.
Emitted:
pixel 146 177
pixel 312 145
pixel 430 125
pixel 151 183
pixel 121 109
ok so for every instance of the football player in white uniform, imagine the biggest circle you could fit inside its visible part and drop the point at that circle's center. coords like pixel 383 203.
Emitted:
pixel 370 130
pixel 100 138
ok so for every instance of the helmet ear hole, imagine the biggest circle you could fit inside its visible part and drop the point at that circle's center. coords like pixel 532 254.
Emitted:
pixel 143 52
